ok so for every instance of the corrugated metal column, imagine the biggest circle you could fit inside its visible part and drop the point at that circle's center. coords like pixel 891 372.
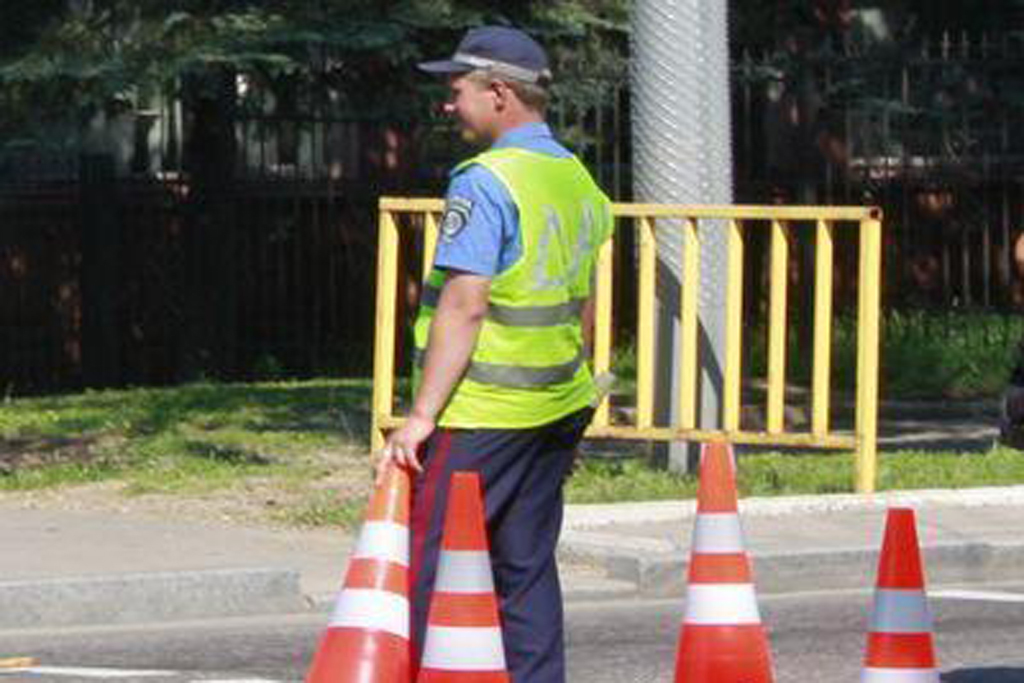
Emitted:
pixel 683 154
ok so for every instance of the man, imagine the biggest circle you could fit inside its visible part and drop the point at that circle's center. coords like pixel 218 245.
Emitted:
pixel 505 389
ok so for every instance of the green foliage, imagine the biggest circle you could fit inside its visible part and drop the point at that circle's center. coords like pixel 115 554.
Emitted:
pixel 82 57
pixel 924 354
pixel 768 25
pixel 953 355
pixel 931 354
pixel 21 22
pixel 842 63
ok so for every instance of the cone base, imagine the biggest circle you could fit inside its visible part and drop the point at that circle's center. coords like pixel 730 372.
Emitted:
pixel 723 654
pixel 438 676
pixel 874 675
pixel 352 655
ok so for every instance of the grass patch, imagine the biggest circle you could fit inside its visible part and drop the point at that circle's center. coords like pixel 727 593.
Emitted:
pixel 620 480
pixel 305 410
pixel 192 439
pixel 325 508
pixel 955 355
pixel 781 474
pixel 62 474
pixel 300 447
pixel 924 354
pixel 196 476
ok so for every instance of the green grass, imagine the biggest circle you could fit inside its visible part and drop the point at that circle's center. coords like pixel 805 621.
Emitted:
pixel 923 354
pixel 306 441
pixel 61 474
pixel 325 509
pixel 313 407
pixel 194 438
pixel 955 355
pixel 600 480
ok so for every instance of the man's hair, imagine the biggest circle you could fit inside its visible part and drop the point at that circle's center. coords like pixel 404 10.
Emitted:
pixel 534 95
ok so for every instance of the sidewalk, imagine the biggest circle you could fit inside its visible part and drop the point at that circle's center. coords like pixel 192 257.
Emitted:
pixel 65 567
pixel 68 567
pixel 806 543
pixel 71 567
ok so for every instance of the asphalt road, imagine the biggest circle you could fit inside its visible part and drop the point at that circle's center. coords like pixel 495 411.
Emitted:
pixel 815 637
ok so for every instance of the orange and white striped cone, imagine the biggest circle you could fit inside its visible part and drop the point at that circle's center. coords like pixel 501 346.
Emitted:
pixel 722 638
pixel 900 647
pixel 463 643
pixel 367 639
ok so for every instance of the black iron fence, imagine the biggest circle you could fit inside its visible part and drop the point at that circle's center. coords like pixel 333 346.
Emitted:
pixel 138 270
pixel 125 285
pixel 933 133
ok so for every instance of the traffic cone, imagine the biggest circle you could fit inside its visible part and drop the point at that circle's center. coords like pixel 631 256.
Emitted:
pixel 367 639
pixel 900 648
pixel 463 642
pixel 722 639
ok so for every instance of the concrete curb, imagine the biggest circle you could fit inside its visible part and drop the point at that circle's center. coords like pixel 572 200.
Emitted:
pixel 657 570
pixel 657 566
pixel 593 517
pixel 149 597
pixel 609 564
pixel 575 588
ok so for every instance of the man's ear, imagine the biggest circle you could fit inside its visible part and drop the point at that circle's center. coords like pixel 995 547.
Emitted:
pixel 501 94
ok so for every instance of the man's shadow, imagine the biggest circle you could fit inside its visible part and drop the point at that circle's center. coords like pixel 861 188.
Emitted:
pixel 993 674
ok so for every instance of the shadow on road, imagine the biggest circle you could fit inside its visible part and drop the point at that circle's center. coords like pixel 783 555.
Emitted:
pixel 995 674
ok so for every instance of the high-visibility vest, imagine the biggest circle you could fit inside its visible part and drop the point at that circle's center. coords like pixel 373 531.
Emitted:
pixel 528 366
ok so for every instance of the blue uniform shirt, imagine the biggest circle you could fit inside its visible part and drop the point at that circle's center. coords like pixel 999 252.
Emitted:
pixel 480 231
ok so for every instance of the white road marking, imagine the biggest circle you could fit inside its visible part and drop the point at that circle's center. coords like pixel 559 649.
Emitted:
pixel 89 672
pixel 108 674
pixel 982 596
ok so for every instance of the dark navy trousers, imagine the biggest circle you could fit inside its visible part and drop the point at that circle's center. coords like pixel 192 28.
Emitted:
pixel 522 472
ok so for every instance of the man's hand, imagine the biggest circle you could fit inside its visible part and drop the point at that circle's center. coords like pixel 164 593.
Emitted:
pixel 402 446
pixel 457 320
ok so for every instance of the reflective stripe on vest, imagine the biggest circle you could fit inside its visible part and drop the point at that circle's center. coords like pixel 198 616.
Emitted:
pixel 517 376
pixel 518 316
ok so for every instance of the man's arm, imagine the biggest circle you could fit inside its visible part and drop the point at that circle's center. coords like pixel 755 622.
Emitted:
pixel 453 331
pixel 460 312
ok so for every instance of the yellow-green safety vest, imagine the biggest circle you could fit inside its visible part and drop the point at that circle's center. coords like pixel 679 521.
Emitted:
pixel 527 368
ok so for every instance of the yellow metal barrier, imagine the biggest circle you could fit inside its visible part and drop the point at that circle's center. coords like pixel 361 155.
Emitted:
pixel 781 221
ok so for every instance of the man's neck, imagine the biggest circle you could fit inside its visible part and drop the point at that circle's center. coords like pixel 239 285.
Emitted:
pixel 515 121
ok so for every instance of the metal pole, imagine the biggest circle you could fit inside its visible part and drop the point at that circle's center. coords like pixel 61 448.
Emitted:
pixel 682 141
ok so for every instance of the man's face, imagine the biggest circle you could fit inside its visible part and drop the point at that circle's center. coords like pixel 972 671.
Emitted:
pixel 475 106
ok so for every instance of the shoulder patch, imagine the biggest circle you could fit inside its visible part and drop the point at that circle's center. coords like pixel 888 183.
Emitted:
pixel 456 217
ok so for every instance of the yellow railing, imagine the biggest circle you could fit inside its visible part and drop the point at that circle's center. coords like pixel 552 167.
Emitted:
pixel 783 223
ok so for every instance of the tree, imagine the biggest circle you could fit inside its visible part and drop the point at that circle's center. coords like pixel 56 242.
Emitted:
pixel 83 55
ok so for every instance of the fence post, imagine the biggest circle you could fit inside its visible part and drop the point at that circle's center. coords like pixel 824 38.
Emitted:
pixel 209 339
pixel 384 330
pixel 100 236
pixel 869 287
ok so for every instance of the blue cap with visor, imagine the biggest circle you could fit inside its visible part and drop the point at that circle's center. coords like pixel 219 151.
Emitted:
pixel 503 50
